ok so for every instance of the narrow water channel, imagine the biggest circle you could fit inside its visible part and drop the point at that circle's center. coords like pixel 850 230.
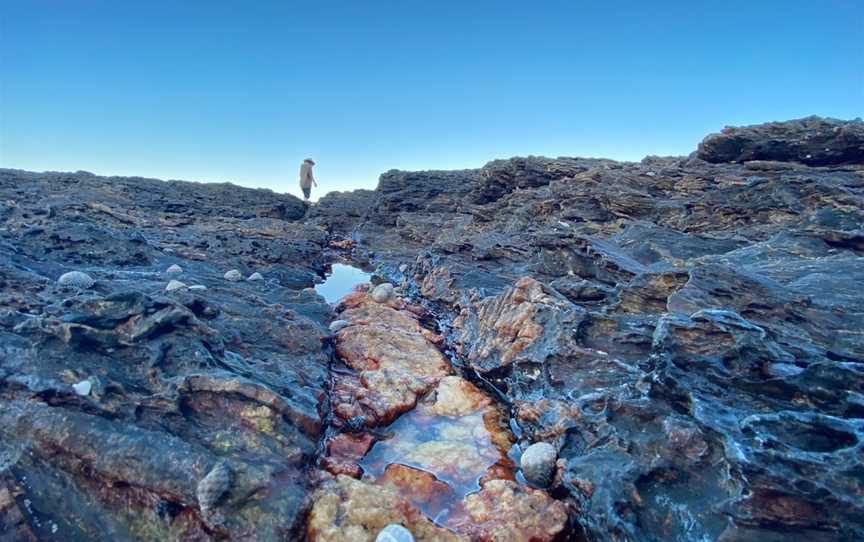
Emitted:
pixel 405 422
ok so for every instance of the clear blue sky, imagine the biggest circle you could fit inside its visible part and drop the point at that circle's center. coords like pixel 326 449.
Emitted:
pixel 243 91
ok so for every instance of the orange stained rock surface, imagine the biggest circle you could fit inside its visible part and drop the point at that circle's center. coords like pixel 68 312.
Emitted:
pixel 442 451
pixel 394 356
pixel 344 453
pixel 346 509
pixel 504 511
pixel 441 469
pixel 509 321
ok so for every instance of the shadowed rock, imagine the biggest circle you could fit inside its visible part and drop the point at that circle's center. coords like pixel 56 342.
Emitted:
pixel 814 141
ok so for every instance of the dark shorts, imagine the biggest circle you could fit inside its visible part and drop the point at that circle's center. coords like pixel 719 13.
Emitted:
pixel 306 191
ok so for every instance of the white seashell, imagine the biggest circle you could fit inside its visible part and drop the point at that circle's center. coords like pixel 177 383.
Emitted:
pixel 234 275
pixel 76 279
pixel 197 287
pixel 83 388
pixel 174 269
pixel 394 533
pixel 175 285
pixel 213 486
pixel 255 276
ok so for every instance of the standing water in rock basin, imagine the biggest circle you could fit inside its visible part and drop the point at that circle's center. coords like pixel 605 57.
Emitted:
pixel 428 443
pixel 341 280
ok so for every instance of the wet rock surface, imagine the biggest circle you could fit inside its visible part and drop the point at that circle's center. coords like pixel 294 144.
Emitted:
pixel 444 455
pixel 684 332
pixel 177 382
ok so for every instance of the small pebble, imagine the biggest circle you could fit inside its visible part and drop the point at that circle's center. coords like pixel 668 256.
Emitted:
pixel 175 285
pixel 538 463
pixel 394 533
pixel 336 325
pixel 403 268
pixel 383 293
pixel 255 276
pixel 234 275
pixel 76 279
pixel 83 388
pixel 197 287
pixel 174 269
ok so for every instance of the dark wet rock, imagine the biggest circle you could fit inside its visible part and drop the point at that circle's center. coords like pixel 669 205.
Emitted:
pixel 340 212
pixel 178 381
pixel 814 141
pixel 686 330
pixel 523 327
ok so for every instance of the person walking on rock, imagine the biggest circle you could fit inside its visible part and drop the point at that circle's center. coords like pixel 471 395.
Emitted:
pixel 306 178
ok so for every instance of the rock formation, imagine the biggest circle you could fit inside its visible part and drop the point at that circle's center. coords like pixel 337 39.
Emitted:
pixel 685 332
pixel 178 381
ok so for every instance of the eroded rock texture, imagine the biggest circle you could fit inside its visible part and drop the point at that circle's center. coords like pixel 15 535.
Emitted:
pixel 813 141
pixel 119 399
pixel 444 459
pixel 687 333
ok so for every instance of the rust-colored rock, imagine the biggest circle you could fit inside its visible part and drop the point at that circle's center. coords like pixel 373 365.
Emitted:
pixel 455 396
pixel 506 511
pixel 517 325
pixel 344 452
pixel 418 485
pixel 347 509
pixel 395 359
pixel 342 244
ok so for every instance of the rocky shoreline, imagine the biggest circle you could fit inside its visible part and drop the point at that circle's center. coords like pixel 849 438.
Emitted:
pixel 684 332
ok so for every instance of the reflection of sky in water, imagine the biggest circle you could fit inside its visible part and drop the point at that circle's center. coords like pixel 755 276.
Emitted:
pixel 341 281
pixel 457 450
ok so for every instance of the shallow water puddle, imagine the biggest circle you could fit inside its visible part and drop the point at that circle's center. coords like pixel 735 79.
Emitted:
pixel 341 281
pixel 436 460
pixel 415 444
